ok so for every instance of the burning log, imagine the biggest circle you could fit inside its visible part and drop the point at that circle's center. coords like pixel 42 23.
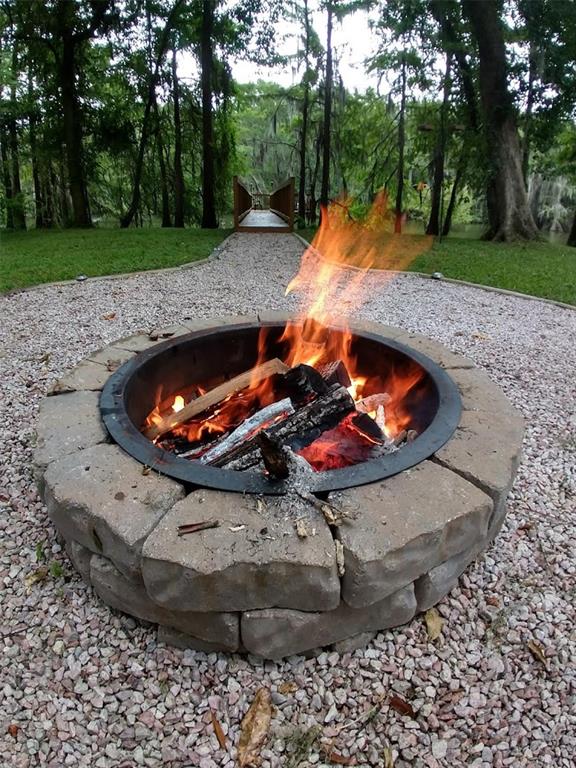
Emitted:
pixel 216 395
pixel 274 457
pixel 372 402
pixel 335 373
pixel 299 429
pixel 261 419
pixel 303 383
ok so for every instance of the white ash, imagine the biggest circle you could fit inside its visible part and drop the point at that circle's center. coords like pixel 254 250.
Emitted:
pixel 87 686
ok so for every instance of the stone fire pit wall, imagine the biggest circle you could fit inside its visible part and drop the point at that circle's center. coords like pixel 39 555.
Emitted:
pixel 252 584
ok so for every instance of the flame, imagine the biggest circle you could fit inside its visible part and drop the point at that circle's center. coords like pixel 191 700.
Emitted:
pixel 178 403
pixel 346 264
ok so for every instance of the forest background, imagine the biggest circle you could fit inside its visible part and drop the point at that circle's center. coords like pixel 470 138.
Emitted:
pixel 126 114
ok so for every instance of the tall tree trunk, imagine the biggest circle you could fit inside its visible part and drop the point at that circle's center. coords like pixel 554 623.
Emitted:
pixel 61 184
pixel 178 173
pixel 532 74
pixel 209 220
pixel 454 193
pixel 304 130
pixel 39 202
pixel 509 212
pixel 572 236
pixel 164 194
pixel 18 210
pixel 401 145
pixel 325 184
pixel 6 177
pixel 72 119
pixel 134 206
pixel 433 227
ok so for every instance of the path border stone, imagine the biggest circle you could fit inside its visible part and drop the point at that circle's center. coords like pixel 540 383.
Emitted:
pixel 253 584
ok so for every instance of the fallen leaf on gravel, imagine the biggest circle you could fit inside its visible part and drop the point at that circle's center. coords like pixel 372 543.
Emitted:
pixel 434 624
pixel 288 687
pixel 335 757
pixel 388 758
pixel 254 729
pixel 109 316
pixel 493 601
pixel 538 652
pixel 401 706
pixel 481 336
pixel 218 731
pixel 36 577
pixel 13 729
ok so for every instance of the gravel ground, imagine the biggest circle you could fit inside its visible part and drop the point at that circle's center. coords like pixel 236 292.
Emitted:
pixel 83 686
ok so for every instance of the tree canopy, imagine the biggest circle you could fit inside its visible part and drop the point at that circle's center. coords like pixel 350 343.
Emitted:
pixel 127 112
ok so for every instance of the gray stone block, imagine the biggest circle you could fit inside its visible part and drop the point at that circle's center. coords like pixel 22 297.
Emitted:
pixel 486 450
pixel 480 393
pixel 353 643
pixel 87 375
pixel 111 357
pixel 67 424
pixel 80 558
pixel 253 560
pixel 433 349
pixel 434 585
pixel 100 498
pixel 131 597
pixel 170 636
pixel 405 525
pixel 142 341
pixel 274 632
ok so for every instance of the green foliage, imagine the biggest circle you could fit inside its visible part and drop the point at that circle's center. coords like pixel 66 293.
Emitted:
pixel 30 258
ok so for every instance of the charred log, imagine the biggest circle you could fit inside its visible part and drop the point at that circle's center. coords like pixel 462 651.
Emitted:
pixel 298 430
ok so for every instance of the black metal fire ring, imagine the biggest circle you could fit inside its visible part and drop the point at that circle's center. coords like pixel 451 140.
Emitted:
pixel 127 435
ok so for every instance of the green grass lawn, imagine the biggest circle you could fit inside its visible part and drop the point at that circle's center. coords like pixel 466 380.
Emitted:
pixel 541 269
pixel 29 258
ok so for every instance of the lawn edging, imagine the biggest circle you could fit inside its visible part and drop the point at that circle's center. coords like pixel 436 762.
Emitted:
pixel 427 275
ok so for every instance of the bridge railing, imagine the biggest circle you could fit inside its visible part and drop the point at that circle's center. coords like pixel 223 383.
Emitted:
pixel 282 201
pixel 242 202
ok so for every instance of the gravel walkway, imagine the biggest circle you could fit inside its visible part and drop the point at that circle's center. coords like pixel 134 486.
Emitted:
pixel 82 686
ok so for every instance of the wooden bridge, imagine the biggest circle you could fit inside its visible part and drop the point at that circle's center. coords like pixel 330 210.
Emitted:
pixel 263 212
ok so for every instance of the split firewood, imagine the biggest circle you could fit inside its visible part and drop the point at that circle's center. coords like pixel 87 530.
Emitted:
pixel 183 530
pixel 251 426
pixel 335 373
pixel 274 457
pixel 380 417
pixel 367 425
pixel 371 402
pixel 400 437
pixel 215 396
pixel 302 384
pixel 298 430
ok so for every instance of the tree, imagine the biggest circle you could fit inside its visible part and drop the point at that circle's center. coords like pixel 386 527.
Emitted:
pixel 326 125
pixel 209 219
pixel 509 214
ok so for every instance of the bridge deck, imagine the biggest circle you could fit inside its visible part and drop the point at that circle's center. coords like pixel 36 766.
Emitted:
pixel 263 221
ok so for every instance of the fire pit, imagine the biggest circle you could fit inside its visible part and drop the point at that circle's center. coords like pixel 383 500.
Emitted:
pixel 240 557
pixel 417 399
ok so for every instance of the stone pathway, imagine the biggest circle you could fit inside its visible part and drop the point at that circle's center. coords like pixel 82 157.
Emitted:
pixel 82 686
